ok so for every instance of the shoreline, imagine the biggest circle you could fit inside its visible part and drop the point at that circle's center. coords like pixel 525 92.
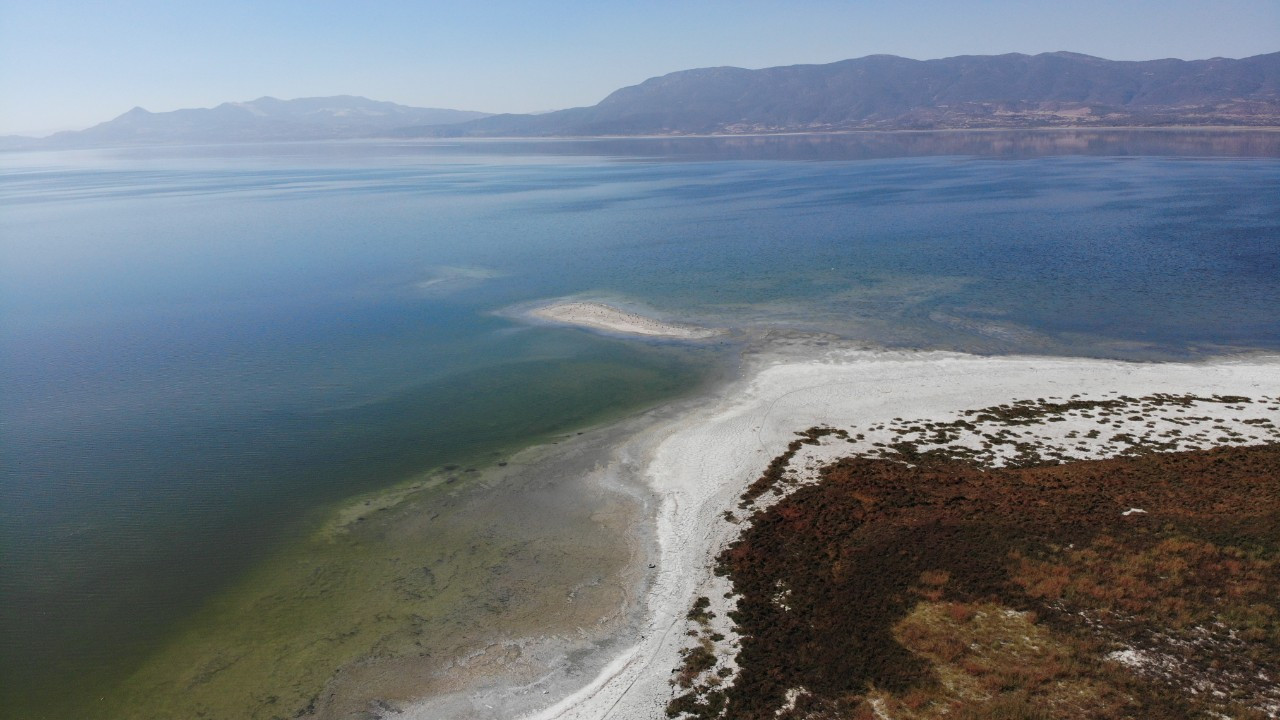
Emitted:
pixel 847 131
pixel 700 461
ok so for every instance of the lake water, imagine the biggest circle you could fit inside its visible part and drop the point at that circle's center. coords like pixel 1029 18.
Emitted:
pixel 205 350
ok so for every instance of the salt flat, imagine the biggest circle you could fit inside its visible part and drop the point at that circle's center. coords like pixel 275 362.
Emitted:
pixel 700 463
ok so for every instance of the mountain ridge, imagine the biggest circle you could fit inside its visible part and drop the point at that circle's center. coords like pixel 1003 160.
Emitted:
pixel 874 92
pixel 887 92
pixel 264 119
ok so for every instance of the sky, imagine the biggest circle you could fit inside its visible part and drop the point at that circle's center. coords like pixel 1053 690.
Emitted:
pixel 69 64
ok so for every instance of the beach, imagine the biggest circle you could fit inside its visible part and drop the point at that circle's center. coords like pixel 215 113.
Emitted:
pixel 699 463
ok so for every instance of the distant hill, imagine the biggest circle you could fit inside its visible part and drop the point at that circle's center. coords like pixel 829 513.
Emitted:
pixel 264 119
pixel 884 92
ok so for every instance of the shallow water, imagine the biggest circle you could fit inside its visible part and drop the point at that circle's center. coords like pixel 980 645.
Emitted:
pixel 205 350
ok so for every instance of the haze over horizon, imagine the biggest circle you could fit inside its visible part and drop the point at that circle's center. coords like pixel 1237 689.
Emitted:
pixel 69 64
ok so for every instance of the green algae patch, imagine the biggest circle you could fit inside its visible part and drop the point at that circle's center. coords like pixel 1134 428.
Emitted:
pixel 393 594
pixel 409 581
pixel 265 647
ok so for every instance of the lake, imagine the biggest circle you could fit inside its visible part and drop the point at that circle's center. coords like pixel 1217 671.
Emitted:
pixel 208 352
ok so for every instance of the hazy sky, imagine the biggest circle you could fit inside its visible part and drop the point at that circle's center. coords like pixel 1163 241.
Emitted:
pixel 72 63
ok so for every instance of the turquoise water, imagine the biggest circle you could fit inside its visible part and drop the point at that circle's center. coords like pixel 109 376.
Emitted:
pixel 203 345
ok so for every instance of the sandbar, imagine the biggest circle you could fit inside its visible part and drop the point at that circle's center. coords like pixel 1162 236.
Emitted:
pixel 598 316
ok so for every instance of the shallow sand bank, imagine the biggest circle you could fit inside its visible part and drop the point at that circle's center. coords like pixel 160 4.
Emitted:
pixel 599 316
pixel 700 462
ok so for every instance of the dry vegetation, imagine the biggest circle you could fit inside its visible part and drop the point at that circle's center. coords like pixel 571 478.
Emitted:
pixel 937 588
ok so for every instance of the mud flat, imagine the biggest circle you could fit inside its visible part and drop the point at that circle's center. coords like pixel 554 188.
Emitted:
pixel 598 316
pixel 698 464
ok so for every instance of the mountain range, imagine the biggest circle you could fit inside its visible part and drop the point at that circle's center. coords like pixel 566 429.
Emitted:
pixel 884 92
pixel 877 92
pixel 266 119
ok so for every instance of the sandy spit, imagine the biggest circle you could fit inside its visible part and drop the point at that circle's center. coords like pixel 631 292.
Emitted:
pixel 698 463
pixel 599 316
